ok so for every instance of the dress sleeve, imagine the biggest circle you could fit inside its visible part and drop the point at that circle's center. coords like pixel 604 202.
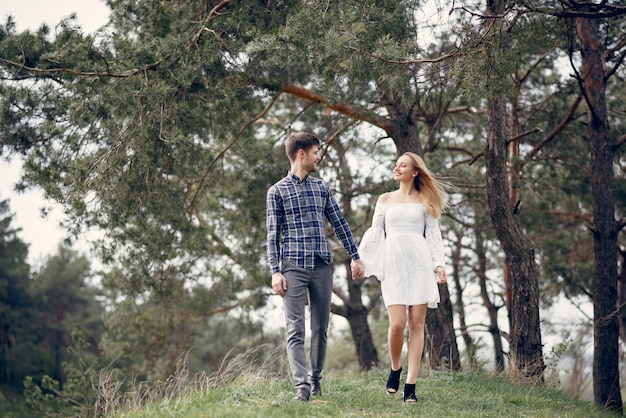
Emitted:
pixel 372 248
pixel 435 241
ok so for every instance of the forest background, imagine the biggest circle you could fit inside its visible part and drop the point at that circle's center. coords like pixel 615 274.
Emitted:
pixel 144 129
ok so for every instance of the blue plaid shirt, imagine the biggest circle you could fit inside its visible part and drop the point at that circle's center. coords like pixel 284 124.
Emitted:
pixel 295 212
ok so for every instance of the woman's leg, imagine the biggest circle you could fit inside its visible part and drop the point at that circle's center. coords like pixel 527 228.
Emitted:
pixel 417 319
pixel 395 334
pixel 395 337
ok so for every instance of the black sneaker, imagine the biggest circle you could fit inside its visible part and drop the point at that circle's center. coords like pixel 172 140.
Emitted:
pixel 302 394
pixel 316 388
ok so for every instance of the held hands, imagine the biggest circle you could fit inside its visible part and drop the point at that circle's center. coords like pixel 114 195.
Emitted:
pixel 357 269
pixel 441 275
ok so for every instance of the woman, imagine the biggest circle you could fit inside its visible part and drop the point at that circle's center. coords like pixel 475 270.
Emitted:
pixel 404 250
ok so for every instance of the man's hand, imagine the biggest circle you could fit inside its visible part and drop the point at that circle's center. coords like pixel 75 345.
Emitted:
pixel 279 284
pixel 358 269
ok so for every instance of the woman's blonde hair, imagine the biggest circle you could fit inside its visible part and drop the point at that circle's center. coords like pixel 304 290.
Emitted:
pixel 431 189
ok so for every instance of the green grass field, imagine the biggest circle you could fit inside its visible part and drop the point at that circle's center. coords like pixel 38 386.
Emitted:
pixel 440 394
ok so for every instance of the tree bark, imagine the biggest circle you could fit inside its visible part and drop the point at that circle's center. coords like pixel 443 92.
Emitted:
pixel 440 339
pixel 606 382
pixel 353 309
pixel 403 130
pixel 361 333
pixel 621 296
pixel 525 351
pixel 459 304
pixel 525 341
pixel 492 309
pixel 356 314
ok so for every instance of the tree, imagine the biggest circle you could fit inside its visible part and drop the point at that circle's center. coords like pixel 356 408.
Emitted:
pixel 601 57
pixel 492 48
pixel 18 316
pixel 593 81
pixel 67 301
pixel 140 158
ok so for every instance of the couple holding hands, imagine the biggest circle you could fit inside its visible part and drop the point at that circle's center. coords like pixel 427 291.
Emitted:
pixel 403 248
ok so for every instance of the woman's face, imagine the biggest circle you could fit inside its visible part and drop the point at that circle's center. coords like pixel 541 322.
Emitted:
pixel 404 169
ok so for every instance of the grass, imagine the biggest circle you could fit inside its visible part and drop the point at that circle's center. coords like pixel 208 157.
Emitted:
pixel 440 394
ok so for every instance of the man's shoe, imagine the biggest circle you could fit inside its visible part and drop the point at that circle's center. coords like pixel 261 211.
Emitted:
pixel 316 388
pixel 302 394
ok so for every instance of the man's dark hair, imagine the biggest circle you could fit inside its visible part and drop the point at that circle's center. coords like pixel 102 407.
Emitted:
pixel 300 140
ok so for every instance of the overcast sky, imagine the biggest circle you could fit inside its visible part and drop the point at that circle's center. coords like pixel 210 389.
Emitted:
pixel 43 235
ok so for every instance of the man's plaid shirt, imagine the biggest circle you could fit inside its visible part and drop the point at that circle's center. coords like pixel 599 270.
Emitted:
pixel 295 212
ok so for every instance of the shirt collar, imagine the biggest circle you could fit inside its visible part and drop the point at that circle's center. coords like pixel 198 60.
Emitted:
pixel 296 179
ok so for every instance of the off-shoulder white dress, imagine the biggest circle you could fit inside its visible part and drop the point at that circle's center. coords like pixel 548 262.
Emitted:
pixel 402 248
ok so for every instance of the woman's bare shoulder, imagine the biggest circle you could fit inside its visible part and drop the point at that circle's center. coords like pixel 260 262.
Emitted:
pixel 385 197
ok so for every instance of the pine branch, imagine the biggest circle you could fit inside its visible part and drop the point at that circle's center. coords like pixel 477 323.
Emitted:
pixel 223 152
pixel 56 71
pixel 581 10
pixel 557 129
pixel 405 62
pixel 344 109
pixel 215 12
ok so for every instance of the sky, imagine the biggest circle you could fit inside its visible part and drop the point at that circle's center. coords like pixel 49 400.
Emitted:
pixel 42 234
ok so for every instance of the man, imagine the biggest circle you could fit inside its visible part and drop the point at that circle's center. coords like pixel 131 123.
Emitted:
pixel 300 258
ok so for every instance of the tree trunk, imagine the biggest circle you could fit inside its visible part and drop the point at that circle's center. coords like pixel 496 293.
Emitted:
pixel 470 345
pixel 361 334
pixel 356 314
pixel 492 309
pixel 525 350
pixel 606 382
pixel 403 130
pixel 621 296
pixel 440 339
pixel 525 334
pixel 363 340
pixel 5 345
pixel 353 309
pixel 57 373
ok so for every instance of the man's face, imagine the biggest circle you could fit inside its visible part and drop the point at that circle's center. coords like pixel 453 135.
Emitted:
pixel 311 159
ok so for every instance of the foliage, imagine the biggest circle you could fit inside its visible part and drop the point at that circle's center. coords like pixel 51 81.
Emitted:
pixel 78 396
pixel 19 317
pixel 67 301
pixel 37 315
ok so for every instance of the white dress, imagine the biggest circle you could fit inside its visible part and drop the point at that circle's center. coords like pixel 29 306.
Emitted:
pixel 402 248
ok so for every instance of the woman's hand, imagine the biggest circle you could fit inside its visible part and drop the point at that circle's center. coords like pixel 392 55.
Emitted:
pixel 441 275
pixel 357 269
